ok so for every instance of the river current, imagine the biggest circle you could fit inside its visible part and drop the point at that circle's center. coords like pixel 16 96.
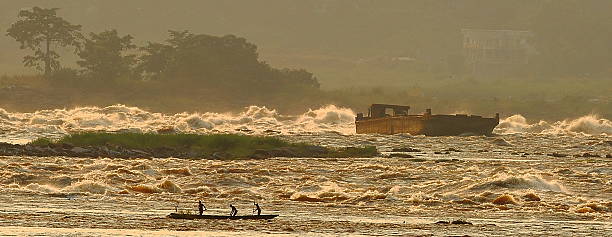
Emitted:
pixel 542 178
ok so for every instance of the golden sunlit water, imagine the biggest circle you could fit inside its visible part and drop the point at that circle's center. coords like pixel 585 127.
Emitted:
pixel 510 184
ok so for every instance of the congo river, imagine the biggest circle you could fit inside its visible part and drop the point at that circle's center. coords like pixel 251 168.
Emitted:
pixel 529 179
pixel 521 184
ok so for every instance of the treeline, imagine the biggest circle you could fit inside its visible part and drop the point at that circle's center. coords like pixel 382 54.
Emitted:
pixel 187 60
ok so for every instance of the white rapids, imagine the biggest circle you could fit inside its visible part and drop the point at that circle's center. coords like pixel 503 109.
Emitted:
pixel 513 183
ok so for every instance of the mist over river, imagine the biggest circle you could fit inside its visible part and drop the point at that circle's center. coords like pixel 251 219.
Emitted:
pixel 531 178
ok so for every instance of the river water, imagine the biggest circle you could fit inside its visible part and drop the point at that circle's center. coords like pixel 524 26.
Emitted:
pixel 508 184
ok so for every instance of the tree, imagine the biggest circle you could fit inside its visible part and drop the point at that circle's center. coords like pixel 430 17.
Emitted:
pixel 156 60
pixel 300 77
pixel 103 55
pixel 221 62
pixel 39 30
pixel 199 57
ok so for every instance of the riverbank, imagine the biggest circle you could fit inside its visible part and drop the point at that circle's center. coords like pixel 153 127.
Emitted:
pixel 189 146
pixel 537 99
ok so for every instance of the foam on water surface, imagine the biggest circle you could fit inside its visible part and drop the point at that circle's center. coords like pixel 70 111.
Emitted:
pixel 23 127
pixel 589 125
pixel 511 183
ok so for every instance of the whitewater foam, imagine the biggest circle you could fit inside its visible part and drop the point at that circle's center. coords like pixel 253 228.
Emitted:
pixel 503 181
pixel 588 125
pixel 89 187
pixel 121 118
pixel 24 127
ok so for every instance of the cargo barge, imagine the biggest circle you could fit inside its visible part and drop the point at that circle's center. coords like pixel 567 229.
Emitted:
pixel 378 121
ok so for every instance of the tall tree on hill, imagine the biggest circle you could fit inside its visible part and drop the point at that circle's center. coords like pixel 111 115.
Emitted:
pixel 39 30
pixel 103 55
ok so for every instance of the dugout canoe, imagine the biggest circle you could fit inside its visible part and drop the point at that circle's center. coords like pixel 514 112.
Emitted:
pixel 220 217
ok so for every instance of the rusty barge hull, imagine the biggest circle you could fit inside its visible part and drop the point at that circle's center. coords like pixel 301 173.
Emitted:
pixel 378 121
pixel 435 125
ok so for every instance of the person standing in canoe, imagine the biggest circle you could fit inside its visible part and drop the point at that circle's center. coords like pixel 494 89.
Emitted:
pixel 201 207
pixel 257 209
pixel 234 211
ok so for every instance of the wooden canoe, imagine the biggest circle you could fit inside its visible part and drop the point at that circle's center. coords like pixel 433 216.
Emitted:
pixel 217 217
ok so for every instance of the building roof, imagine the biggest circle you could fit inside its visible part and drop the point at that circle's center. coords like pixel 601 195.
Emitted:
pixel 490 33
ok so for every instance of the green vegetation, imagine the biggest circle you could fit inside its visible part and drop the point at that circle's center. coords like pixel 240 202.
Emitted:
pixel 369 151
pixel 102 56
pixel 226 145
pixel 237 145
pixel 186 63
pixel 43 141
pixel 199 59
pixel 39 30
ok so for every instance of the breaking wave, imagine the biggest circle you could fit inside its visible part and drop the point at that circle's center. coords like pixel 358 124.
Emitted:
pixel 89 187
pixel 532 182
pixel 331 192
pixel 23 127
pixel 80 187
pixel 589 124
pixel 165 186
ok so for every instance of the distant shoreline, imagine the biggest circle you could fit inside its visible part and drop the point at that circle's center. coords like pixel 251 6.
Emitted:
pixel 32 93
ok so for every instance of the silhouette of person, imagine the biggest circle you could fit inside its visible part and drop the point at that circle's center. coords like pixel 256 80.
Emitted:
pixel 201 207
pixel 234 211
pixel 257 209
